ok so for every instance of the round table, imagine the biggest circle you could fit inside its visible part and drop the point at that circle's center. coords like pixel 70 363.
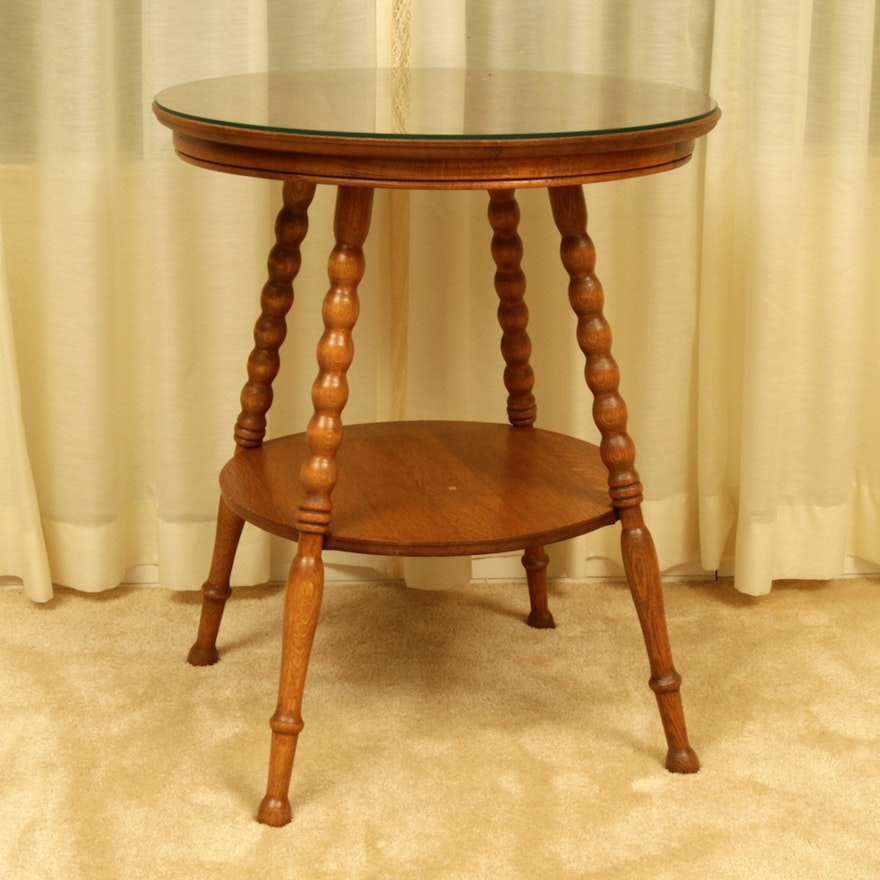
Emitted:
pixel 431 488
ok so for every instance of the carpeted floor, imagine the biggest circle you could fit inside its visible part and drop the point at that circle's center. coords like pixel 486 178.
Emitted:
pixel 444 738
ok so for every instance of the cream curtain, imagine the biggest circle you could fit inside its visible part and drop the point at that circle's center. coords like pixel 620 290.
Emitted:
pixel 742 289
pixel 788 367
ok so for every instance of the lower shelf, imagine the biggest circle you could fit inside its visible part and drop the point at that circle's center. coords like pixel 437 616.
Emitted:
pixel 432 488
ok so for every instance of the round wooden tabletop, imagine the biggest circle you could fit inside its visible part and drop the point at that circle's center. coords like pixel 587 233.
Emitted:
pixel 438 128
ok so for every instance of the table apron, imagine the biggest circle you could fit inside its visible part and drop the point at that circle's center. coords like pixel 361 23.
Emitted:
pixel 481 172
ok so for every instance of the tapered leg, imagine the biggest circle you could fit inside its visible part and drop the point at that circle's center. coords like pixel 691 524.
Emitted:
pixel 216 590
pixel 535 562
pixel 643 575
pixel 618 453
pixel 305 587
pixel 319 473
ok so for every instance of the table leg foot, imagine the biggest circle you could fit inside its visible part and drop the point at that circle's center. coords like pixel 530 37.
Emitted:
pixel 200 655
pixel 682 761
pixel 274 811
pixel 541 621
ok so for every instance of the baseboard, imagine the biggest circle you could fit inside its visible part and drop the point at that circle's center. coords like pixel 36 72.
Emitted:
pixel 351 568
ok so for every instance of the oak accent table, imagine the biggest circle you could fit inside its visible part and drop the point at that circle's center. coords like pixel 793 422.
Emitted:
pixel 516 486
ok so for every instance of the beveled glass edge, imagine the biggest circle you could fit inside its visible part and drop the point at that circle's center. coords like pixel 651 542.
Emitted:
pixel 409 136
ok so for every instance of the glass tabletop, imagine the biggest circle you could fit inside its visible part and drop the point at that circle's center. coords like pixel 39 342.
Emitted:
pixel 435 103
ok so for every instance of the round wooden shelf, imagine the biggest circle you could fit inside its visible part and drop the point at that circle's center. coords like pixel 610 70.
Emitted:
pixel 432 488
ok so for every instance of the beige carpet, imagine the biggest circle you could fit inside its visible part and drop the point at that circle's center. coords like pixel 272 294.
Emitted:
pixel 444 738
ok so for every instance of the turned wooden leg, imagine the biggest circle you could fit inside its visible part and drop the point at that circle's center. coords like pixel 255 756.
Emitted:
pixel 513 314
pixel 516 348
pixel 535 562
pixel 319 475
pixel 618 453
pixel 216 590
pixel 276 300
